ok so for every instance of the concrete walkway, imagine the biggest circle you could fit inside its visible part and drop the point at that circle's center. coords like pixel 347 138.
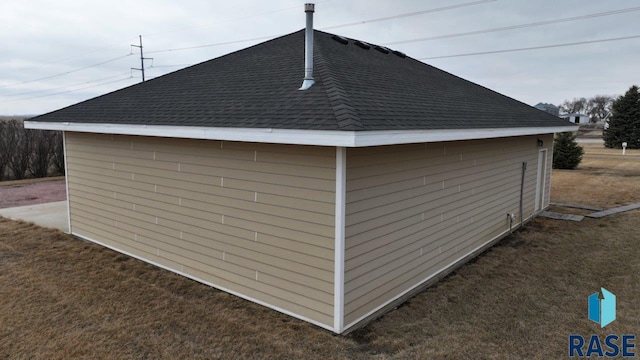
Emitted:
pixel 608 212
pixel 596 215
pixel 52 215
pixel 560 216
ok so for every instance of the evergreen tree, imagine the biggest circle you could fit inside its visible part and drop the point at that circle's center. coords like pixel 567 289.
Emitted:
pixel 567 154
pixel 624 124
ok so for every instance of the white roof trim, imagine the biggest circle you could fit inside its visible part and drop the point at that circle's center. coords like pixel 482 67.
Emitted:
pixel 301 137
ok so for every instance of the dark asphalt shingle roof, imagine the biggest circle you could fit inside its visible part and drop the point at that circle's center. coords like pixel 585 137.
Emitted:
pixel 355 89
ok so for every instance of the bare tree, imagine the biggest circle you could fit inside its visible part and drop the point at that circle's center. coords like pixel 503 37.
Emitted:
pixel 4 150
pixel 57 157
pixel 42 151
pixel 577 105
pixel 10 143
pixel 20 145
pixel 599 106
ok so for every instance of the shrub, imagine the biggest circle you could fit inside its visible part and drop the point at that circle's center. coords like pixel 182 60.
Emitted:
pixel 567 154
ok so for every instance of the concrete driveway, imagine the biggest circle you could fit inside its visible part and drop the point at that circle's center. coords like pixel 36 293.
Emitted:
pixel 52 215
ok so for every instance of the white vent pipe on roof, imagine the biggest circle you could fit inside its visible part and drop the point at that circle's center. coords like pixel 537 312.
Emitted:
pixel 308 48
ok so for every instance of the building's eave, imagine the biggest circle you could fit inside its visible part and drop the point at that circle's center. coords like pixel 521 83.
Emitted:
pixel 301 137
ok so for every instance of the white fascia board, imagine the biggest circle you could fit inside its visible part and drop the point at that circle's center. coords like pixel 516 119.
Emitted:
pixel 375 138
pixel 262 135
pixel 300 137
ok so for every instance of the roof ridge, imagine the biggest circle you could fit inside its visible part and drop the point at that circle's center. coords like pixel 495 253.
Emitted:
pixel 346 116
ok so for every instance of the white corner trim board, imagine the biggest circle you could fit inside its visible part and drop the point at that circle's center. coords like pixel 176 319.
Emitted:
pixel 338 278
pixel 66 180
pixel 301 137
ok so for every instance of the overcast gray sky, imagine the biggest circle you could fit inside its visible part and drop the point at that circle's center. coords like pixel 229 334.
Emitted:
pixel 57 53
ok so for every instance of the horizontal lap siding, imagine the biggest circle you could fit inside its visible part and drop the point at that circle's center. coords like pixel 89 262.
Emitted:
pixel 414 209
pixel 256 219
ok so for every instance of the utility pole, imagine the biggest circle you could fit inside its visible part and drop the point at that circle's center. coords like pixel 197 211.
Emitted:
pixel 142 58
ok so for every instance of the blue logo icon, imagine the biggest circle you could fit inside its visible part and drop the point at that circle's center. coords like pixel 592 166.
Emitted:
pixel 602 307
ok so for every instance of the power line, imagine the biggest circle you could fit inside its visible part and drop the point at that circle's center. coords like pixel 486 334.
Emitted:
pixel 415 13
pixel 513 27
pixel 214 44
pixel 541 23
pixel 532 48
pixel 326 28
pixel 614 12
pixel 167 66
pixel 177 30
pixel 223 21
pixel 166 32
pixel 118 58
pixel 70 91
pixel 235 19
pixel 66 86
pixel 67 72
pixel 81 54
pixel 393 17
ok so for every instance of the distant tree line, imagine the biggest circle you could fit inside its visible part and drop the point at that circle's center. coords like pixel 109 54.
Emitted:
pixel 29 153
pixel 597 107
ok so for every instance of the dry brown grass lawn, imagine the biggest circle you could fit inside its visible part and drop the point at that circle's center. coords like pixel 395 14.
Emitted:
pixel 604 179
pixel 63 298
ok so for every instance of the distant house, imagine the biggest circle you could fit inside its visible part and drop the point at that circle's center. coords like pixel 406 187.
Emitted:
pixel 331 204
pixel 550 108
pixel 576 118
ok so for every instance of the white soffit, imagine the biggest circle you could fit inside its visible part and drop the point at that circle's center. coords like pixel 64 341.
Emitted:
pixel 301 137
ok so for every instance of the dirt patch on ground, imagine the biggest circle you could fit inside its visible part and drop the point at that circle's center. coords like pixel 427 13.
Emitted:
pixel 14 193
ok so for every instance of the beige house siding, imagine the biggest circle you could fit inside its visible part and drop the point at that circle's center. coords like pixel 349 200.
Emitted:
pixel 412 210
pixel 254 219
